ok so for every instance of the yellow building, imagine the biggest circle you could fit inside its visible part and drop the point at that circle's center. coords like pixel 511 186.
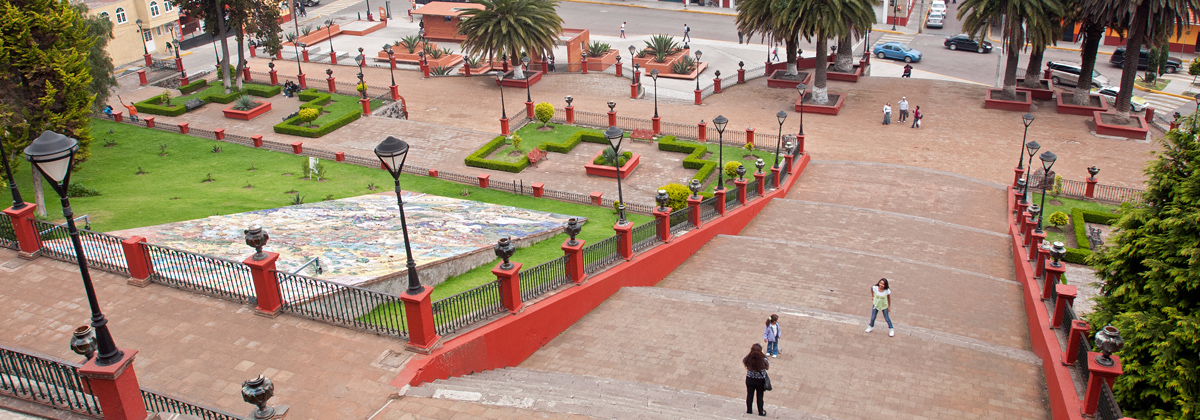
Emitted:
pixel 139 26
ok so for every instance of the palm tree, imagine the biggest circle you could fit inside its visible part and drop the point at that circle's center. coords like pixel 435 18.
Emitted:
pixel 775 20
pixel 1090 30
pixel 1145 20
pixel 1041 32
pixel 976 16
pixel 510 27
pixel 825 19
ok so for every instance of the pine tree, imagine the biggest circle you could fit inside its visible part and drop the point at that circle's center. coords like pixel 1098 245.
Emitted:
pixel 1151 289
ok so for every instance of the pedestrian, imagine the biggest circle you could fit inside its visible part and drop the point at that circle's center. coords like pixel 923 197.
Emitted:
pixel 303 11
pixel 133 116
pixel 903 109
pixel 917 117
pixel 551 64
pixel 757 381
pixel 740 36
pixel 887 113
pixel 881 295
pixel 907 71
pixel 775 52
pixel 771 335
pixel 687 33
pixel 622 29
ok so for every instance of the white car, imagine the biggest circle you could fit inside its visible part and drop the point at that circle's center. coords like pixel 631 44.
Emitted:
pixel 1109 93
pixel 934 21
pixel 938 7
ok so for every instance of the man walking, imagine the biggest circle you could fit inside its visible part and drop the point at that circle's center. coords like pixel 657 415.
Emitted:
pixel 740 35
pixel 622 29
pixel 687 33
pixel 903 109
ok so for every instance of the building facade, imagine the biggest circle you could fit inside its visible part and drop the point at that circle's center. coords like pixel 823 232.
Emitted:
pixel 139 27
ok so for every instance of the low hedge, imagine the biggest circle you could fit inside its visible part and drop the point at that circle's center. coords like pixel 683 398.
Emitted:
pixel 154 105
pixel 1079 220
pixel 317 101
pixel 1077 255
pixel 312 97
pixel 1099 217
pixel 569 144
pixel 193 86
pixel 694 159
pixel 479 158
pixel 263 91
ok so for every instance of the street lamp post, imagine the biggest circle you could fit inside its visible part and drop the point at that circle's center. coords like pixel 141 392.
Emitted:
pixel 299 70
pixel 781 116
pixel 362 61
pixel 142 36
pixel 654 76
pixel 525 65
pixel 1028 119
pixel 329 30
pixel 391 60
pixel 615 135
pixel 392 152
pixel 53 155
pixel 800 87
pixel 500 81
pixel 895 16
pixel 1048 159
pixel 719 123
pixel 1032 147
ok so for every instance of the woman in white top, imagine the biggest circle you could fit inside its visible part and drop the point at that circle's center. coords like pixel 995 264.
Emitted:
pixel 881 300
pixel 887 113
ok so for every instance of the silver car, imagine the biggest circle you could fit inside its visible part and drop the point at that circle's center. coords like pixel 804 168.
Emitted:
pixel 1067 74
pixel 934 21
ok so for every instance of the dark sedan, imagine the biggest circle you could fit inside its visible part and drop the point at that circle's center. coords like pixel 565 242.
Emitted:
pixel 965 43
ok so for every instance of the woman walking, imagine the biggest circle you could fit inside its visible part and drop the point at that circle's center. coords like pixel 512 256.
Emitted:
pixel 881 296
pixel 756 377
pixel 771 335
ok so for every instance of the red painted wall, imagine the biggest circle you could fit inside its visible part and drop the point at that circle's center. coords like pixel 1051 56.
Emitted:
pixel 509 340
pixel 438 28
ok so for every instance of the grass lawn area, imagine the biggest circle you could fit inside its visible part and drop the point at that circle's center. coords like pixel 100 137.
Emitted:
pixel 1159 84
pixel 738 154
pixel 341 105
pixel 1067 205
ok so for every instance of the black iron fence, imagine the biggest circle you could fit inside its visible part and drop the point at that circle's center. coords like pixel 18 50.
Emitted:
pixel 708 209
pixel 161 403
pixel 680 220
pixel 752 190
pixel 600 255
pixel 8 237
pixel 550 275
pixel 212 276
pixel 45 380
pixel 731 198
pixel 645 235
pixel 102 251
pixel 342 305
pixel 466 308
pixel 1106 407
pixel 1078 189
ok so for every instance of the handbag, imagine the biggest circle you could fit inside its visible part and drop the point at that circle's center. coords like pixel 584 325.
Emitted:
pixel 768 380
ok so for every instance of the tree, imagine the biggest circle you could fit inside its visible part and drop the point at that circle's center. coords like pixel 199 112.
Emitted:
pixel 1041 33
pixel 1090 30
pixel 307 115
pixel 825 19
pixel 510 27
pixel 544 112
pixel 1151 289
pixel 1017 15
pixel 1194 69
pixel 777 20
pixel 100 66
pixel 255 17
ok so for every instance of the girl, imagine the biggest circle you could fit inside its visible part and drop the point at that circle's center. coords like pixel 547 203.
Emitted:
pixel 771 335
pixel 881 296
pixel 917 118
pixel 756 377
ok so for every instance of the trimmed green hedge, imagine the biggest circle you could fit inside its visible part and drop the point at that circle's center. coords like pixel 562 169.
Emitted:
pixel 224 98
pixel 193 86
pixel 1079 220
pixel 263 91
pixel 317 101
pixel 312 97
pixel 154 105
pixel 571 142
pixel 1077 256
pixel 479 158
pixel 694 159
pixel 1099 217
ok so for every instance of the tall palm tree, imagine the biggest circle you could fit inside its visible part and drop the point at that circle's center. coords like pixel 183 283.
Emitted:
pixel 1090 31
pixel 977 15
pixel 510 27
pixel 775 20
pixel 1146 20
pixel 1041 32
pixel 843 60
pixel 825 19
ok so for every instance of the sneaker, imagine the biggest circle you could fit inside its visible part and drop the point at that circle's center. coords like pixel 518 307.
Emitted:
pixel 891 332
pixel 774 355
pixel 870 328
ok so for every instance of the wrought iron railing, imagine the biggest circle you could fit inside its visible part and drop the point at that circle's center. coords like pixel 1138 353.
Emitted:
pixel 550 275
pixel 45 380
pixel 466 308
pixel 680 220
pixel 339 304
pixel 8 236
pixel 102 251
pixel 731 199
pixel 1078 189
pixel 708 209
pixel 1106 407
pixel 752 190
pixel 600 255
pixel 1082 364
pixel 645 235
pixel 212 276
pixel 161 403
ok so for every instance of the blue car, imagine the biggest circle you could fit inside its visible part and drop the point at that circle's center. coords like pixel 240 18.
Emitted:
pixel 897 51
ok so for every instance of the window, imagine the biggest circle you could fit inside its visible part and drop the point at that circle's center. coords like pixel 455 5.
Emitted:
pixel 121 15
pixel 147 36
pixel 167 6
pixel 104 15
pixel 153 8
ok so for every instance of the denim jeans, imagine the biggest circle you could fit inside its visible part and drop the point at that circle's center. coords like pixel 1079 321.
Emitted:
pixel 875 312
pixel 772 348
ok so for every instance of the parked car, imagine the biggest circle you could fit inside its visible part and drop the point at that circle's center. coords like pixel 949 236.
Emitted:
pixel 1067 74
pixel 1118 60
pixel 938 6
pixel 934 21
pixel 310 3
pixel 965 43
pixel 896 51
pixel 1109 93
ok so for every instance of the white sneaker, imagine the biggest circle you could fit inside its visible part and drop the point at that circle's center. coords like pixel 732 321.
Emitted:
pixel 870 328
pixel 891 332
pixel 774 355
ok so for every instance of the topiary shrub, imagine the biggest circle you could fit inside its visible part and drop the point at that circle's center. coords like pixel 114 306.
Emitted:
pixel 544 112
pixel 307 115
pixel 678 194
pixel 1058 218
pixel 731 169
pixel 694 160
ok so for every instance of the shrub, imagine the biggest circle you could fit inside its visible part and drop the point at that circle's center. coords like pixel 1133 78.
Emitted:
pixel 307 115
pixel 1058 186
pixel 245 103
pixel 694 160
pixel 571 142
pixel 731 169
pixel 80 190
pixel 661 46
pixel 678 194
pixel 409 43
pixel 224 98
pixel 479 158
pixel 544 112
pixel 165 98
pixel 597 49
pixel 263 91
pixel 1080 228
pixel 193 86
pixel 1077 255
pixel 153 105
pixel 471 61
pixel 683 65
pixel 1058 218
pixel 516 141
pixel 441 71
pixel 1099 217
pixel 312 97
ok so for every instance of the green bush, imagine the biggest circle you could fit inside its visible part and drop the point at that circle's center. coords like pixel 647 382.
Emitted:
pixel 193 86
pixel 153 105
pixel 1077 256
pixel 1058 218
pixel 263 91
pixel 479 158
pixel 291 125
pixel 678 194
pixel 1081 239
pixel 1100 217
pixel 731 169
pixel 312 97
pixel 544 112
pixel 569 144
pixel 224 98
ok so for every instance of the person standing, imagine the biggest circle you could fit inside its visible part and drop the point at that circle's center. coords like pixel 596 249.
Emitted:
pixel 687 33
pixel 903 109
pixel 771 335
pixel 622 29
pixel 917 118
pixel 756 377
pixel 881 300
pixel 887 113
pixel 740 36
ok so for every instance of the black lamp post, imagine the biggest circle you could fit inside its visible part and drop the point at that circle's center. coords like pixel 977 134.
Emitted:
pixel 175 42
pixel 1048 159
pixel 525 65
pixel 362 61
pixel 781 116
pixel 500 81
pixel 698 54
pixel 299 70
pixel 18 203
pixel 654 76
pixel 329 30
pixel 1027 119
pixel 142 36
pixel 393 152
pixel 391 58
pixel 615 135
pixel 720 122
pixel 1032 148
pixel 53 155
pixel 895 15
pixel 800 87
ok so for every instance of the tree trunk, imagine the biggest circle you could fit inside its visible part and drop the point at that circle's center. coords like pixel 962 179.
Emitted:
pixel 1133 44
pixel 844 62
pixel 820 92
pixel 241 58
pixel 1033 69
pixel 1016 36
pixel 1091 44
pixel 224 64
pixel 39 196
pixel 793 54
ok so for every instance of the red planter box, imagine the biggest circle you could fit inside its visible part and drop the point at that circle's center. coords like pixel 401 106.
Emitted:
pixel 1040 94
pixel 789 84
pixel 845 77
pixel 533 77
pixel 1007 105
pixel 611 172
pixel 247 115
pixel 1087 111
pixel 831 109
pixel 1137 133
pixel 603 62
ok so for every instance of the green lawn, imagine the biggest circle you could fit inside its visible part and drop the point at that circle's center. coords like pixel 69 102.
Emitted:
pixel 1035 197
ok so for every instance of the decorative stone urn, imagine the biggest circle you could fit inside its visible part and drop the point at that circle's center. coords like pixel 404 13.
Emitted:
pixel 505 249
pixel 83 342
pixel 661 198
pixel 257 238
pixel 695 187
pixel 1109 341
pixel 257 391
pixel 572 229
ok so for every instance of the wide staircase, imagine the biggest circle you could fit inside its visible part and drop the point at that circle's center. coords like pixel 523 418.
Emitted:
pixel 961 348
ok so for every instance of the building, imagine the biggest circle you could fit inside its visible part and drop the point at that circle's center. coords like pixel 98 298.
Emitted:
pixel 139 26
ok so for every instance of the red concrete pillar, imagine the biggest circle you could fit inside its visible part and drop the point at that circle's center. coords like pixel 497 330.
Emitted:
pixel 1053 277
pixel 584 65
pixel 595 196
pixel 253 52
pixel 504 126
pixel 1017 172
pixel 27 235
pixel 741 184
pixel 484 180
pixel 425 69
pixel 149 61
pixel 612 118
pixel 183 128
pixel 762 180
pixel 433 173
pixel 220 133
pixel 656 125
pixel 1043 257
pixel 510 286
pixel 339 156
pixel 787 163
pixel 625 240
pixel 529 110
pixel 800 142
pixel 333 57
pixel 1035 240
pixel 279 54
pixel 332 84
pixel 116 387
pixel 1066 296
pixel 574 255
pixel 620 70
pixel 664 224
pixel 304 55
pixel 1090 192
pixel 297 147
pixel 633 90
pixel 1149 114
pixel 698 99
pixel 257 139
pixel 741 76
pixel 149 122
pixel 538 189
pixel 1078 327
pixel 694 204
pixel 138 260
pixel 717 85
pixel 750 135
pixel 570 115
pixel 142 77
pixel 117 116
pixel 422 332
pixel 274 78
pixel 302 80
pixel 246 73
pixel 720 195
pixel 366 106
pixel 466 70
pixel 775 181
pixel 179 65
pixel 395 93
pixel 266 286
pixel 1098 373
